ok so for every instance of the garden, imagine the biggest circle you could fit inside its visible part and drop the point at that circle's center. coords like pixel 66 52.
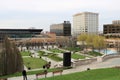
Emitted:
pixel 56 51
pixel 34 63
pixel 77 56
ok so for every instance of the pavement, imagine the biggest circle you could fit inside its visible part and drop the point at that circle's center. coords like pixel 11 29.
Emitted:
pixel 109 63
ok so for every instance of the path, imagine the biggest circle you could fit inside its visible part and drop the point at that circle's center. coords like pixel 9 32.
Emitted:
pixel 49 60
pixel 109 63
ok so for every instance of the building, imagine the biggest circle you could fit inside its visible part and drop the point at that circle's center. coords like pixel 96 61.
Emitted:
pixel 63 29
pixel 86 22
pixel 116 22
pixel 113 29
pixel 19 33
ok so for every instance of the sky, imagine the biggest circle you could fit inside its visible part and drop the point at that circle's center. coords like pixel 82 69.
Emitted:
pixel 23 14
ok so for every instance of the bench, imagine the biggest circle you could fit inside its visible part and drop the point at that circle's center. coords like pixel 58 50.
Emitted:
pixel 40 74
pixel 117 67
pixel 58 71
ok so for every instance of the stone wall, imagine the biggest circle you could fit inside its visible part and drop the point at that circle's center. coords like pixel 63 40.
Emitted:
pixel 106 57
pixel 94 60
pixel 85 61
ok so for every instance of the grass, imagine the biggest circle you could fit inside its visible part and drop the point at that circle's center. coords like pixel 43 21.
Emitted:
pixel 34 62
pixel 98 74
pixel 77 56
pixel 51 56
pixel 56 51
pixel 54 57
pixel 93 53
pixel 25 53
pixel 41 53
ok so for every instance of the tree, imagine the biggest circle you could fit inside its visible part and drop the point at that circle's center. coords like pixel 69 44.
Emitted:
pixel 99 42
pixel 62 41
pixel 82 38
pixel 90 40
pixel 11 59
pixel 94 41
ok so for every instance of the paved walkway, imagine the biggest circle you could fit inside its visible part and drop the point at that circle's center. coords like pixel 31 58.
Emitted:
pixel 49 60
pixel 109 63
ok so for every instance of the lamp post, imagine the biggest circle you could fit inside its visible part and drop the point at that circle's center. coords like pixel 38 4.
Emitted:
pixel 46 56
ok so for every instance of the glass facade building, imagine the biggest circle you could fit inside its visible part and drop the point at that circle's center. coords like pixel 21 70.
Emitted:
pixel 19 33
pixel 63 29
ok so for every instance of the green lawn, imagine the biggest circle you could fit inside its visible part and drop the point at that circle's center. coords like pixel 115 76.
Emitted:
pixel 54 57
pixel 51 55
pixel 56 51
pixel 77 56
pixel 98 74
pixel 25 53
pixel 34 62
pixel 41 53
pixel 93 53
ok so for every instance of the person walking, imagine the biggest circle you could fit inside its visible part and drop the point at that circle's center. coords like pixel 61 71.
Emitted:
pixel 24 75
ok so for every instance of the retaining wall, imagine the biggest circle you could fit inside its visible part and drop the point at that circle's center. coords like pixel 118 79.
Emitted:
pixel 96 59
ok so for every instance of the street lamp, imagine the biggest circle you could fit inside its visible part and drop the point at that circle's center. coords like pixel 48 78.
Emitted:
pixel 46 56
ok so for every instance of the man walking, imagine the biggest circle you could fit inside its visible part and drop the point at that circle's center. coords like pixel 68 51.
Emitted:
pixel 24 75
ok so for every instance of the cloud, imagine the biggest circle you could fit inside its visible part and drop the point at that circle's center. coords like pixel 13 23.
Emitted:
pixel 57 5
pixel 45 12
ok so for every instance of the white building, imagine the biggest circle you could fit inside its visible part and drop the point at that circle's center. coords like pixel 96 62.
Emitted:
pixel 86 22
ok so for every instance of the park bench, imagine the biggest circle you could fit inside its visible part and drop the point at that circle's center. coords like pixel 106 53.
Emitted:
pixel 41 74
pixel 3 78
pixel 117 67
pixel 58 71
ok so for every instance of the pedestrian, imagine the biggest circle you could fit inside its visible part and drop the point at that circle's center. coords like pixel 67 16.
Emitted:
pixel 24 75
pixel 44 66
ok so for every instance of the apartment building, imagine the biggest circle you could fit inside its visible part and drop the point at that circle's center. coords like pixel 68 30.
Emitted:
pixel 86 22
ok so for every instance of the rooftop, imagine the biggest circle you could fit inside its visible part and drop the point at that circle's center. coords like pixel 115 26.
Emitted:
pixel 84 13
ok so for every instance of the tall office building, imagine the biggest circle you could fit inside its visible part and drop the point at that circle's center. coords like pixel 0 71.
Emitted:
pixel 86 22
pixel 62 29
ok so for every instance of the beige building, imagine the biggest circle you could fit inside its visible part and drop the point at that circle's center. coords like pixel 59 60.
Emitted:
pixel 116 22
pixel 86 22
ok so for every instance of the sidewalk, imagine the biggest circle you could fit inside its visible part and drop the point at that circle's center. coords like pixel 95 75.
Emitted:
pixel 109 63
pixel 49 60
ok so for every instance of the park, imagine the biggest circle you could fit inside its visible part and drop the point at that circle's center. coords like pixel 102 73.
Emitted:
pixel 82 61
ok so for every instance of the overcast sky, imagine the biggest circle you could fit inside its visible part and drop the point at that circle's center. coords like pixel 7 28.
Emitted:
pixel 42 13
